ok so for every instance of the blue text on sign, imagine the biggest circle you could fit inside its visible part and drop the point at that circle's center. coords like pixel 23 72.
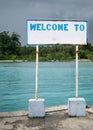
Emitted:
pixel 49 27
pixel 55 27
pixel 80 27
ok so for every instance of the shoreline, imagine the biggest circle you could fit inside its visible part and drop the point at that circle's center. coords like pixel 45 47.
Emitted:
pixel 25 112
pixel 89 109
pixel 12 61
pixel 19 61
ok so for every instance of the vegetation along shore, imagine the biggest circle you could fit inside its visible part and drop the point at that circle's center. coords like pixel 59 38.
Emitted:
pixel 11 50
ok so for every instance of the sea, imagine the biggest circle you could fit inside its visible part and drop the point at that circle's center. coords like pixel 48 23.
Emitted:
pixel 56 83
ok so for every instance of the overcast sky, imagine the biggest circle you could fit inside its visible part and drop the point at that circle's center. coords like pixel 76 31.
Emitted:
pixel 13 13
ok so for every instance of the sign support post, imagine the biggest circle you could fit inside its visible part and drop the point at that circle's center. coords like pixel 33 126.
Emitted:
pixel 76 106
pixel 36 106
pixel 36 91
pixel 76 71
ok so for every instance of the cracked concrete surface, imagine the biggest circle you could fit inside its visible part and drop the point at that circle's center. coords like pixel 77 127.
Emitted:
pixel 56 119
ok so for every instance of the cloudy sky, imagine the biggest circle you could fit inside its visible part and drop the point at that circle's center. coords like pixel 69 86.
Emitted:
pixel 13 13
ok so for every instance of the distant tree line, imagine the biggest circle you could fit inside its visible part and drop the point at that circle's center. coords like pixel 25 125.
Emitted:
pixel 12 49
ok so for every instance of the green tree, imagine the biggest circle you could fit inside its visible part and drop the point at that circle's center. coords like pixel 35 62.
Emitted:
pixel 9 45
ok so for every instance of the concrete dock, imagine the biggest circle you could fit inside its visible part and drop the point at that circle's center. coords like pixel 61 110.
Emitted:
pixel 56 118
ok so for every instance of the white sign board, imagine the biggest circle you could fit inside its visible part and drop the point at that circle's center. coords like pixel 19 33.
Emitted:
pixel 56 32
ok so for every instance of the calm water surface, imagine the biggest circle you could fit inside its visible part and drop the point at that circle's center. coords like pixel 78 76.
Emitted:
pixel 56 83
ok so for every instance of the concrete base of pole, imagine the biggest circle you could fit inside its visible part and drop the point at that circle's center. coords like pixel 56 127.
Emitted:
pixel 76 107
pixel 36 108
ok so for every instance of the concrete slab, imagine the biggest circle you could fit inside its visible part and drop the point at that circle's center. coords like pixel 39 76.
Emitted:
pixel 76 107
pixel 54 120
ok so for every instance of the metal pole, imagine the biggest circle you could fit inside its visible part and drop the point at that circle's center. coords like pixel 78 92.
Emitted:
pixel 36 91
pixel 76 71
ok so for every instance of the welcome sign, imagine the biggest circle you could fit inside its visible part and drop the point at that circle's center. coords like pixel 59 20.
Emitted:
pixel 56 32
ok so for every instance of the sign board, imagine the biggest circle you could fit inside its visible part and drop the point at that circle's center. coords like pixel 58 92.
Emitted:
pixel 56 32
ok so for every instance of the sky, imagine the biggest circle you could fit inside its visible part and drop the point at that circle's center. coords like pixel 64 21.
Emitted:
pixel 13 13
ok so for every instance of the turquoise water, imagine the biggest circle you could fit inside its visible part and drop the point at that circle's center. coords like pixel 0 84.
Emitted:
pixel 56 83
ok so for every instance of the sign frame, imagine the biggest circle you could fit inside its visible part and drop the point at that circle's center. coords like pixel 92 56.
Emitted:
pixel 39 36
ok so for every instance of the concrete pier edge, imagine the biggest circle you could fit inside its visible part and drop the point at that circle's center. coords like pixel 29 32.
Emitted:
pixel 89 109
pixel 25 112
